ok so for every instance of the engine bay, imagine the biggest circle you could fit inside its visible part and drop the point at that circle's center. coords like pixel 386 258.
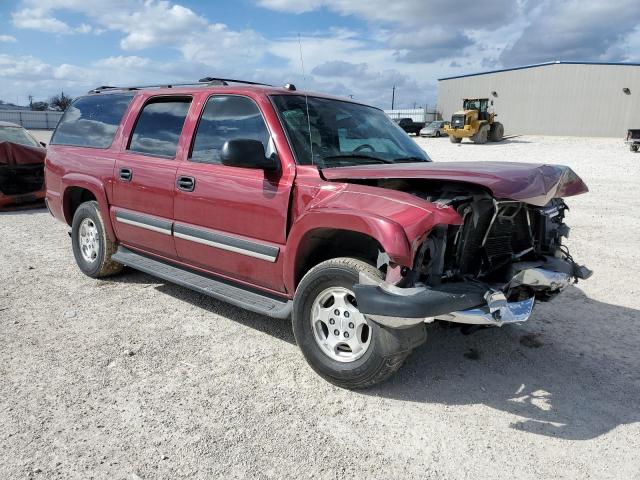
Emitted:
pixel 497 240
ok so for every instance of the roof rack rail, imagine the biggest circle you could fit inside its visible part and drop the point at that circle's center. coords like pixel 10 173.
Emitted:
pixel 205 80
pixel 226 81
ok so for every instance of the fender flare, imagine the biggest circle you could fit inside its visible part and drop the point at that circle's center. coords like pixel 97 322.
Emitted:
pixel 389 234
pixel 96 187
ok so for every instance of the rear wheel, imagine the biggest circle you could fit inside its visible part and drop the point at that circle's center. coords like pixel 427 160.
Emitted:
pixel 454 139
pixel 92 248
pixel 338 341
pixel 497 132
pixel 633 147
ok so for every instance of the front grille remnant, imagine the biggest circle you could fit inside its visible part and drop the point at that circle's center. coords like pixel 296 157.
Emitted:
pixel 509 234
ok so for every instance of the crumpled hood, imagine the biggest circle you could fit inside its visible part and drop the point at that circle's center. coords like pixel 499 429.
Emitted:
pixel 535 184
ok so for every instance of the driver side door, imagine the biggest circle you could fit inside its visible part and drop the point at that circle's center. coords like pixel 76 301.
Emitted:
pixel 231 221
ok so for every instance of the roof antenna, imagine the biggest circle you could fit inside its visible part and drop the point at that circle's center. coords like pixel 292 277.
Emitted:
pixel 306 99
pixel 304 78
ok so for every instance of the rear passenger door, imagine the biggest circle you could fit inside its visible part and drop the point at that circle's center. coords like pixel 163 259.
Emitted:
pixel 231 220
pixel 143 192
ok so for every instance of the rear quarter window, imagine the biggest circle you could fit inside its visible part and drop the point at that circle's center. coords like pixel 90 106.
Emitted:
pixel 92 121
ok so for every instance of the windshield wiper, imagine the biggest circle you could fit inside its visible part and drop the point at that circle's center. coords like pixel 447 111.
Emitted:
pixel 410 159
pixel 358 155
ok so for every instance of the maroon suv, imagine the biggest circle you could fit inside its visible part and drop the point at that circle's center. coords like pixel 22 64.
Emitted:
pixel 293 204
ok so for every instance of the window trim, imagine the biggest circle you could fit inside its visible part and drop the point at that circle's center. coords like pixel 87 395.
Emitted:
pixel 148 101
pixel 286 133
pixel 120 123
pixel 195 130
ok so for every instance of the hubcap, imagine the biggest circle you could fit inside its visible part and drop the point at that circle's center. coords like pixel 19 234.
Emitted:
pixel 339 329
pixel 88 240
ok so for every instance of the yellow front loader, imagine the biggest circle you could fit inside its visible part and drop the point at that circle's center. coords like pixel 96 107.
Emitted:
pixel 474 122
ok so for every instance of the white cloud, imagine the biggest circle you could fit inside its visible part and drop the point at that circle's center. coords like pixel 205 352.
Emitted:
pixel 575 30
pixel 39 19
pixel 8 39
pixel 84 28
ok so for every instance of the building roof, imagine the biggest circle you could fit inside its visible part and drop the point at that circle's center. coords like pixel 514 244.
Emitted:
pixel 535 65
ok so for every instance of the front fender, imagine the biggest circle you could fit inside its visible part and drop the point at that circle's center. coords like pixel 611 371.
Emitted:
pixel 94 185
pixel 398 221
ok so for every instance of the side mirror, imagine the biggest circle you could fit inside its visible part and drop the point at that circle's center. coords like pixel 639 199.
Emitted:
pixel 43 144
pixel 247 153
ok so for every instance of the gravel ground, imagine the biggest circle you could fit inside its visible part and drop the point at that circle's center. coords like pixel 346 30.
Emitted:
pixel 134 378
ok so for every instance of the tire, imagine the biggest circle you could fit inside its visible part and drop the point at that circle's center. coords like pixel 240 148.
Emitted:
pixel 386 349
pixel 481 136
pixel 633 147
pixel 92 248
pixel 437 134
pixel 453 139
pixel 497 132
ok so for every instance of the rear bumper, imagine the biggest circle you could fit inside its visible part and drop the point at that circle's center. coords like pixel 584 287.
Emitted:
pixel 472 303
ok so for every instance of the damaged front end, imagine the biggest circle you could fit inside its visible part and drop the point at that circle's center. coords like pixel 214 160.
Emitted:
pixel 21 174
pixel 488 271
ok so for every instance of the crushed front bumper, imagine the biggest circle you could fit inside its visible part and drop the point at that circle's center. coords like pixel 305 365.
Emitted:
pixel 473 303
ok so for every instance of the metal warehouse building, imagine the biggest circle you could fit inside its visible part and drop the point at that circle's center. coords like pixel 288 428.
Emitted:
pixel 556 98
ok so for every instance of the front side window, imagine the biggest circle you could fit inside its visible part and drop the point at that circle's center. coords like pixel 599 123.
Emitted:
pixel 159 127
pixel 227 117
pixel 92 121
pixel 335 133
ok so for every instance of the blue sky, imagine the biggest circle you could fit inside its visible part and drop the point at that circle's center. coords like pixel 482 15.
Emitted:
pixel 359 48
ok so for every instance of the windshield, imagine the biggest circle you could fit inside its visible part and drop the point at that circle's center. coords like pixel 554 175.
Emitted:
pixel 336 133
pixel 17 135
pixel 434 124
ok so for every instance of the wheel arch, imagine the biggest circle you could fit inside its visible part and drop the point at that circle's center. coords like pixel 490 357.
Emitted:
pixel 323 235
pixel 322 244
pixel 79 189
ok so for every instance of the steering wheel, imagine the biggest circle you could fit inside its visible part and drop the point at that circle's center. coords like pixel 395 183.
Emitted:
pixel 364 146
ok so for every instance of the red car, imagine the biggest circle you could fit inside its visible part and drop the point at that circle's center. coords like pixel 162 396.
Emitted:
pixel 300 205
pixel 21 166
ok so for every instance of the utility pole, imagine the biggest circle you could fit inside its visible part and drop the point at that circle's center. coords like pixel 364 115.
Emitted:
pixel 393 97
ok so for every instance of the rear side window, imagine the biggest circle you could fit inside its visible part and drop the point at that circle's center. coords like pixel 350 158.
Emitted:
pixel 159 126
pixel 227 118
pixel 92 121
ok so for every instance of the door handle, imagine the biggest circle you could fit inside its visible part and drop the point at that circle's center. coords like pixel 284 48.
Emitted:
pixel 126 174
pixel 186 184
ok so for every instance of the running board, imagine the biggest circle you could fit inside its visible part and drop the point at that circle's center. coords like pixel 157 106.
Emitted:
pixel 240 297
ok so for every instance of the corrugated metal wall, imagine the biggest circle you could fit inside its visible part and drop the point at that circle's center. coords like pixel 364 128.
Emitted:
pixel 31 119
pixel 556 99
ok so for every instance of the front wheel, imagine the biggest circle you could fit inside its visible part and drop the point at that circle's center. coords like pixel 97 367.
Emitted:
pixel 633 147
pixel 437 134
pixel 454 139
pixel 338 341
